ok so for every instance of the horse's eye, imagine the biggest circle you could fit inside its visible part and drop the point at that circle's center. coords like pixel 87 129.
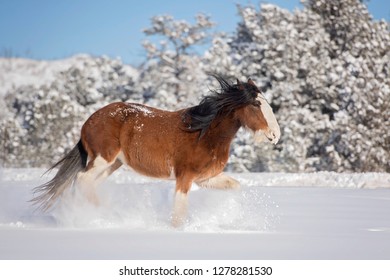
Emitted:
pixel 257 103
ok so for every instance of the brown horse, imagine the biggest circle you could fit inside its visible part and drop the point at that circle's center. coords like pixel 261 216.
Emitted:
pixel 189 145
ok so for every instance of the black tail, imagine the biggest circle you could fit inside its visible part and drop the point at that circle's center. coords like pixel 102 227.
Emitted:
pixel 69 166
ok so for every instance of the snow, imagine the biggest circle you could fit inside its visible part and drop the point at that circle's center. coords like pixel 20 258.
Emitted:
pixel 273 216
pixel 17 72
pixel 147 112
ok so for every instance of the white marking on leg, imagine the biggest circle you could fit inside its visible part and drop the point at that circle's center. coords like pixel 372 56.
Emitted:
pixel 179 209
pixel 89 180
pixel 221 181
pixel 172 175
pixel 89 177
pixel 122 158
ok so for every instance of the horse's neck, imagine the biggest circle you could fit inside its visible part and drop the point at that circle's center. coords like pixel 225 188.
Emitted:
pixel 222 131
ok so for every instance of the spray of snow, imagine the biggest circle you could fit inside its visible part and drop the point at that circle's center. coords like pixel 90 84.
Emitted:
pixel 148 206
pixel 128 200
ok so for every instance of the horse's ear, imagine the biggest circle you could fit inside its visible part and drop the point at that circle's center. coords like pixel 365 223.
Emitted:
pixel 240 85
pixel 250 81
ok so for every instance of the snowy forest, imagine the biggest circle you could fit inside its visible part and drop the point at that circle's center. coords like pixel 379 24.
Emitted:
pixel 324 70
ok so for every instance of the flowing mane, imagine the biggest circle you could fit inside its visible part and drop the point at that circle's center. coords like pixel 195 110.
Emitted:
pixel 222 101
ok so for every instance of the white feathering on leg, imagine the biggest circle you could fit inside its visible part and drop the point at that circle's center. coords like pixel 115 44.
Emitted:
pixel 179 209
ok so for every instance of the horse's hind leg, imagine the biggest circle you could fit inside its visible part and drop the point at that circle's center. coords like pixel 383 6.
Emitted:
pixel 221 181
pixel 107 172
pixel 97 171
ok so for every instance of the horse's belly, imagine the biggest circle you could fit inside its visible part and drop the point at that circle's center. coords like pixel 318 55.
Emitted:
pixel 151 170
pixel 148 161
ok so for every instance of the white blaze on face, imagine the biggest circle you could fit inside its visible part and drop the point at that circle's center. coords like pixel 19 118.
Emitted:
pixel 273 132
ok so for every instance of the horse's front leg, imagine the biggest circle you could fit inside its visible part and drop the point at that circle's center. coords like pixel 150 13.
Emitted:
pixel 183 185
pixel 221 181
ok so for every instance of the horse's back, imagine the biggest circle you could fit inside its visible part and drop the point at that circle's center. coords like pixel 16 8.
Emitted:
pixel 140 136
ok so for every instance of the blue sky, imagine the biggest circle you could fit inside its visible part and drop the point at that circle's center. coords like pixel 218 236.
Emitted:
pixel 48 29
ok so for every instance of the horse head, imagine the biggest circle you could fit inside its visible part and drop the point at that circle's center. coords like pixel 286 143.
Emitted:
pixel 258 116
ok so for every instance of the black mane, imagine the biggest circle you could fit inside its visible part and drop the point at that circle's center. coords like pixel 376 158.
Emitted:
pixel 221 102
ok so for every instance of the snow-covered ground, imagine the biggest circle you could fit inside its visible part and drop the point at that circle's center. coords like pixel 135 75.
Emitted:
pixel 19 72
pixel 273 216
pixel 16 72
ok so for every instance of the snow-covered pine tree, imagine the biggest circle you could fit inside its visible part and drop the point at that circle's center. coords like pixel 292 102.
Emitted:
pixel 359 87
pixel 172 73
pixel 326 74
pixel 44 122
